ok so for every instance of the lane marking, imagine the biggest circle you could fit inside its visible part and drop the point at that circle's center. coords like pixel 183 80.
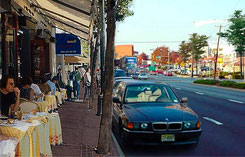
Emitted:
pixel 117 146
pixel 199 93
pixel 178 88
pixel 212 120
pixel 235 101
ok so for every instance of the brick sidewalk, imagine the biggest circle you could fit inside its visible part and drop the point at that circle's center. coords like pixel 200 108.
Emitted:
pixel 80 129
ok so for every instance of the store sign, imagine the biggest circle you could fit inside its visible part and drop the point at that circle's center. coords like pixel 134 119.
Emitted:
pixel 68 44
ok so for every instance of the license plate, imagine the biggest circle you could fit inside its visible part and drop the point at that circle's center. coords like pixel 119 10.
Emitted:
pixel 167 138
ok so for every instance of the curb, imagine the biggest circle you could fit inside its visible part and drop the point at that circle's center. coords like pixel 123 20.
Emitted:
pixel 119 150
pixel 239 90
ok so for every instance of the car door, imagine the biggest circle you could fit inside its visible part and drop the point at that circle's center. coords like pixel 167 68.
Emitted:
pixel 117 107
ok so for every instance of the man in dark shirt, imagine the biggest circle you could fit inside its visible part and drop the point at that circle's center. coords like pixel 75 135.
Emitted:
pixel 9 95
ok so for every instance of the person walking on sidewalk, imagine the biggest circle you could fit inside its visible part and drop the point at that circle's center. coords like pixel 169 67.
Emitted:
pixel 87 83
pixel 76 82
pixel 59 77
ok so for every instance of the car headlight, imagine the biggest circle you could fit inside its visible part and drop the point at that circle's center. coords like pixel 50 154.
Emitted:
pixel 187 125
pixel 144 125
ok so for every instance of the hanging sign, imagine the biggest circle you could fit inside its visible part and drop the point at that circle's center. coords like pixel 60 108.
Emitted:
pixel 67 44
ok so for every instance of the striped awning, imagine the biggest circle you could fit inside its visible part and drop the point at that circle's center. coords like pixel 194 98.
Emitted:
pixel 73 16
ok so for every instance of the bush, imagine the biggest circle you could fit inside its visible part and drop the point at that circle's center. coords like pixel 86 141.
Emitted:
pixel 227 83
pixel 236 75
pixel 223 73
pixel 210 82
pixel 239 85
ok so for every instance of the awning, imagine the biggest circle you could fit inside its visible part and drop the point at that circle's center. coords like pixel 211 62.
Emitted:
pixel 73 16
pixel 74 59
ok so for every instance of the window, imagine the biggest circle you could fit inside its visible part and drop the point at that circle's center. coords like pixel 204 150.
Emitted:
pixel 150 93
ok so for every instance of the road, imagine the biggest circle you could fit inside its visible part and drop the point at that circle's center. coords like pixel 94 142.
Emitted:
pixel 222 114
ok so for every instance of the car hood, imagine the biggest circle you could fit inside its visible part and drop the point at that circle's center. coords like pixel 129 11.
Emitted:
pixel 158 112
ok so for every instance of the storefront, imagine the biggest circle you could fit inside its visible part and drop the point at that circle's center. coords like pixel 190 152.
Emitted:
pixel 25 41
pixel 8 32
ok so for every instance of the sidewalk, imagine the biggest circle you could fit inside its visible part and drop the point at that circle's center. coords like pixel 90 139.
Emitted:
pixel 80 131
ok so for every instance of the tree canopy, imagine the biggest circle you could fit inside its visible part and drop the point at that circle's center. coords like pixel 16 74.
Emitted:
pixel 235 34
pixel 185 51
pixel 197 42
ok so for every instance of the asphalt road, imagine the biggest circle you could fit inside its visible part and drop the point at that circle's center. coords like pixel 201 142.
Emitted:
pixel 222 114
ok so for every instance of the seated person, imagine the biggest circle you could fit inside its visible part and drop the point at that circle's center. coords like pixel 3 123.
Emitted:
pixel 44 87
pixel 55 81
pixel 50 83
pixel 26 91
pixel 9 96
pixel 37 92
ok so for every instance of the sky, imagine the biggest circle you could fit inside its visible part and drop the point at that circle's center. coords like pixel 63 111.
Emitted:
pixel 158 23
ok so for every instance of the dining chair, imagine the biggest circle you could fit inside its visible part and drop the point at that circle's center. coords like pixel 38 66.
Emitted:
pixel 28 106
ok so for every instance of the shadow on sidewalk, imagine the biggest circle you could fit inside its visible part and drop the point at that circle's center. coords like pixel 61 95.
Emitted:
pixel 80 131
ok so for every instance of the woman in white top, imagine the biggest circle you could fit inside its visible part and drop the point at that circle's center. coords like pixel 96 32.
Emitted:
pixel 37 92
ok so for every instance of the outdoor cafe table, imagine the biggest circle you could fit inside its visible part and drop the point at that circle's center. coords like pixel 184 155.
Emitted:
pixel 8 146
pixel 63 92
pixel 51 101
pixel 43 106
pixel 35 134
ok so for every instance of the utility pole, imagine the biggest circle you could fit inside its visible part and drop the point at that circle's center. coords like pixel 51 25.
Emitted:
pixel 217 54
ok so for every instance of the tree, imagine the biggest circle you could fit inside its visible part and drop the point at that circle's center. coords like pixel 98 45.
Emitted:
pixel 160 55
pixel 236 34
pixel 185 51
pixel 197 42
pixel 84 44
pixel 174 57
pixel 141 57
pixel 122 8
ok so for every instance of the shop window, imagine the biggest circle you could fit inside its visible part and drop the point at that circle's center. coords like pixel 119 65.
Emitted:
pixel 10 51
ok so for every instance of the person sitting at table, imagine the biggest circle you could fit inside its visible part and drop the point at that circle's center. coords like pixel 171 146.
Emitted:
pixel 44 87
pixel 51 84
pixel 37 92
pixel 9 96
pixel 26 91
pixel 56 82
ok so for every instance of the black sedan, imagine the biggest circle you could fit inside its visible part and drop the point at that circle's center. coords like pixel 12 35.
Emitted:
pixel 151 113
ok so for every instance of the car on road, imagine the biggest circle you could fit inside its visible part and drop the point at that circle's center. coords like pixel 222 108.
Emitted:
pixel 153 72
pixel 168 73
pixel 159 72
pixel 142 76
pixel 150 113
pixel 119 73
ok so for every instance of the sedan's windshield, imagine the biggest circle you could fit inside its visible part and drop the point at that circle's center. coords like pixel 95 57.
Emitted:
pixel 119 73
pixel 150 93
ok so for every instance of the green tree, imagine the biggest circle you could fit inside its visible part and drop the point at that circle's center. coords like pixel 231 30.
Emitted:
pixel 122 9
pixel 185 51
pixel 236 34
pixel 197 42
pixel 115 10
pixel 85 48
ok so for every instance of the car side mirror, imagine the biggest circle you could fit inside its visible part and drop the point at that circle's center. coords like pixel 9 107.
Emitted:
pixel 116 100
pixel 184 100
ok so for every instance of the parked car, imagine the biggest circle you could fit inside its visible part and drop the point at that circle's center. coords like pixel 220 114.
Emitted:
pixel 153 72
pixel 151 113
pixel 142 76
pixel 159 72
pixel 168 73
pixel 122 78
